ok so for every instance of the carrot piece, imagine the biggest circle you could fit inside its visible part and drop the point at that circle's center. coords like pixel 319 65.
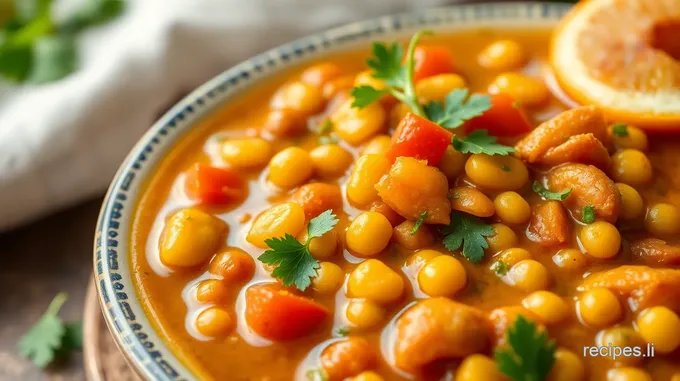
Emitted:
pixel 212 185
pixel 432 60
pixel 275 313
pixel 419 138
pixel 316 198
pixel 504 118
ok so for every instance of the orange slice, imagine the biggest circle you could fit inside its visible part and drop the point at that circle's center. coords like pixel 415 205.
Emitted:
pixel 623 56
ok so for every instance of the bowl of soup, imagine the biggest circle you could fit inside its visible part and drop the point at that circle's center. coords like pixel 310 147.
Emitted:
pixel 409 197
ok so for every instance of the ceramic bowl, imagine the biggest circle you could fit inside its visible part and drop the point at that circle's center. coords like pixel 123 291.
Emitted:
pixel 151 358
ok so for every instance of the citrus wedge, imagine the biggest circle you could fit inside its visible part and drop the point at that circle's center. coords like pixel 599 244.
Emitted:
pixel 623 56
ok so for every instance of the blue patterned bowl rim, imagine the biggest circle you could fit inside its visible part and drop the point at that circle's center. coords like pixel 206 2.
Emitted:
pixel 124 315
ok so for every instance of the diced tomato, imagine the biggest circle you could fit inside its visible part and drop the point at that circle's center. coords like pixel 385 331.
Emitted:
pixel 212 185
pixel 504 118
pixel 275 313
pixel 432 60
pixel 419 138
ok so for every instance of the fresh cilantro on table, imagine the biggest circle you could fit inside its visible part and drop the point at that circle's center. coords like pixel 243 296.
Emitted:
pixel 455 111
pixel 470 232
pixel 50 337
pixel 479 141
pixel 294 263
pixel 620 130
pixel 588 214
pixel 548 195
pixel 500 268
pixel 419 222
pixel 530 354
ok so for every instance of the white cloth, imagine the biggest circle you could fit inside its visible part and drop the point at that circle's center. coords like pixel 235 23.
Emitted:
pixel 62 142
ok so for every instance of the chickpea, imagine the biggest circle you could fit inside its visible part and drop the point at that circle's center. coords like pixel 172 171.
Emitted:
pixel 364 314
pixel 290 168
pixel 631 167
pixel 211 291
pixel 452 163
pixel 471 201
pixel 635 139
pixel 368 376
pixel 233 265
pixel 246 153
pixel 660 326
pixel 601 239
pixel 190 238
pixel 397 113
pixel 476 368
pixel 628 374
pixel 368 234
pixel 366 173
pixel 512 208
pixel 328 279
pixel 285 123
pixel 528 91
pixel 437 87
pixel 620 337
pixel 421 257
pixel 663 220
pixel 502 55
pixel 322 247
pixel 276 221
pixel 378 145
pixel 389 213
pixel 319 74
pixel 403 235
pixel 568 367
pixel 375 281
pixel 330 160
pixel 570 260
pixel 492 172
pixel 503 238
pixel 299 96
pixel 528 275
pixel 214 322
pixel 513 255
pixel 599 307
pixel 632 205
pixel 357 125
pixel 550 308
pixel 443 275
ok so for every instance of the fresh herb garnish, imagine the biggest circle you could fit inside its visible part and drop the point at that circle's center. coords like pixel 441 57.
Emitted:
pixel 620 130
pixel 316 375
pixel 548 195
pixel 295 265
pixel 588 214
pixel 342 331
pixel 530 354
pixel 500 268
pixel 51 337
pixel 479 141
pixel 505 168
pixel 419 222
pixel 470 232
pixel 455 111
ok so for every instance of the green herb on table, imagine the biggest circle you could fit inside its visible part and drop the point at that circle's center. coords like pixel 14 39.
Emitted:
pixel 470 232
pixel 500 268
pixel 455 111
pixel 588 214
pixel 620 130
pixel 419 222
pixel 294 263
pixel 548 195
pixel 530 354
pixel 479 141
pixel 51 337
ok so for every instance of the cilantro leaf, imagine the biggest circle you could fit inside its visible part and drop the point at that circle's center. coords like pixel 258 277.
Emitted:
pixel 321 224
pixel 620 130
pixel 548 195
pixel 500 268
pixel 588 214
pixel 470 232
pixel 455 111
pixel 419 221
pixel 386 64
pixel 479 141
pixel 530 354
pixel 365 95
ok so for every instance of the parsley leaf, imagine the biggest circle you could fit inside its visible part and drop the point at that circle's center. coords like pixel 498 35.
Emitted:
pixel 295 265
pixel 470 232
pixel 620 130
pixel 455 111
pixel 386 64
pixel 548 195
pixel 530 354
pixel 365 95
pixel 500 268
pixel 419 222
pixel 479 141
pixel 588 214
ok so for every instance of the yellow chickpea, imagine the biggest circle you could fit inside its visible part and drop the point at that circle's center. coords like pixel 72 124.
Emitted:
pixel 477 368
pixel 421 257
pixel 277 221
pixel 365 78
pixel 328 279
pixel 528 91
pixel 375 281
pixel 512 208
pixel 628 374
pixel 513 255
pixel 496 172
pixel 322 247
pixel 233 265
pixel 214 322
pixel 550 308
pixel 397 113
pixel 632 167
pixel 368 234
pixel 660 326
pixel 190 238
pixel 290 168
pixel 452 163
pixel 528 275
pixel 503 238
pixel 368 375
pixel 570 260
pixel 502 55
pixel 211 291
pixel 443 275
pixel 378 145
pixel 599 307
pixel 299 96
pixel 471 201
pixel 632 205
pixel 403 235
pixel 357 125
pixel 631 137
pixel 620 337
pixel 568 367
pixel 246 153
pixel 663 220
pixel 601 239
pixel 437 87
pixel 364 313
pixel 285 123
pixel 366 173
pixel 330 160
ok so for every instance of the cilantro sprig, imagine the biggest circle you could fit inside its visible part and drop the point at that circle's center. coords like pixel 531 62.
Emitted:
pixel 51 337
pixel 479 141
pixel 470 232
pixel 620 130
pixel 530 354
pixel 588 214
pixel 294 263
pixel 549 195
pixel 419 222
pixel 455 110
pixel 500 267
